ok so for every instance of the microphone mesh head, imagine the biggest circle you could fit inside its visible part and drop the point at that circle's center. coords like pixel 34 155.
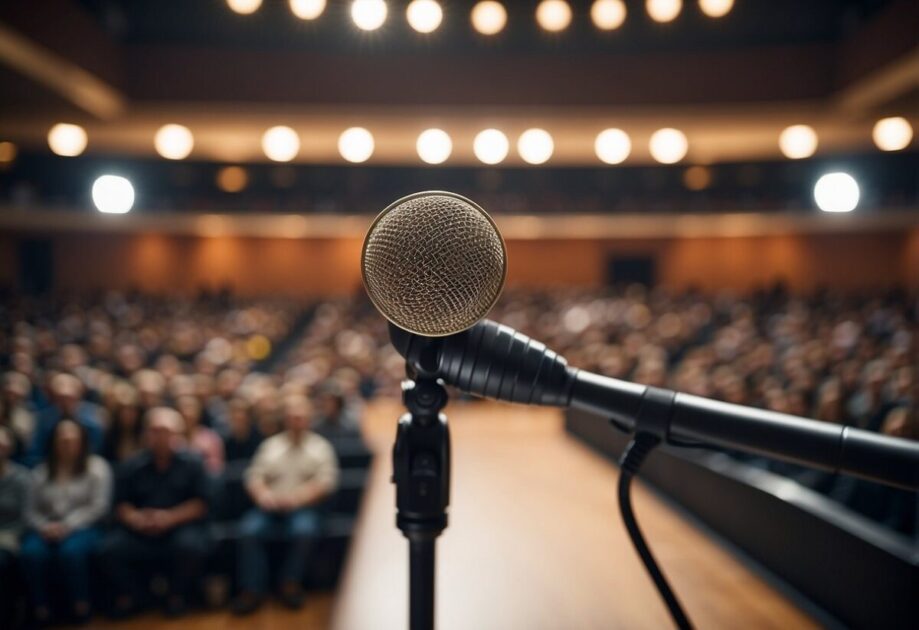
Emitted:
pixel 433 263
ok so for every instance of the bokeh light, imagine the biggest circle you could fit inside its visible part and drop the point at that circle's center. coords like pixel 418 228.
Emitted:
pixel 663 10
pixel 489 17
pixel 892 134
pixel 8 152
pixel 356 144
pixel 716 8
pixel 490 146
pixel 836 192
pixel 424 15
pixel 697 177
pixel 535 146
pixel 798 141
pixel 613 146
pixel 67 140
pixel 307 9
pixel 174 142
pixel 113 194
pixel 608 15
pixel 244 7
pixel 553 15
pixel 668 146
pixel 232 179
pixel 281 144
pixel 434 146
pixel 368 15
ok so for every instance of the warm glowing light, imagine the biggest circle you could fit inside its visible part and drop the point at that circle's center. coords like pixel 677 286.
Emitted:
pixel 244 7
pixel 668 146
pixel 697 177
pixel 892 134
pixel 434 146
pixel 113 194
pixel 535 146
pixel 232 179
pixel 424 15
pixel 356 144
pixel 836 192
pixel 67 140
pixel 490 146
pixel 798 141
pixel 553 15
pixel 368 15
pixel 716 8
pixel 613 146
pixel 307 9
pixel 489 17
pixel 8 152
pixel 663 10
pixel 281 144
pixel 174 142
pixel 608 15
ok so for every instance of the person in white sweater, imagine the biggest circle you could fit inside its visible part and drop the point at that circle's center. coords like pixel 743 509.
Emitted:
pixel 69 493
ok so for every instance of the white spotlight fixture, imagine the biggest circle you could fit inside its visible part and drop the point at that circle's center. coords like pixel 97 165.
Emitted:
pixel 490 146
pixel 798 142
pixel 836 192
pixel 174 142
pixel 612 146
pixel 307 9
pixel 244 7
pixel 608 15
pixel 716 8
pixel 535 146
pixel 892 134
pixel 434 146
pixel 489 17
pixel 424 15
pixel 553 15
pixel 668 146
pixel 281 144
pixel 113 194
pixel 67 140
pixel 356 144
pixel 663 10
pixel 368 15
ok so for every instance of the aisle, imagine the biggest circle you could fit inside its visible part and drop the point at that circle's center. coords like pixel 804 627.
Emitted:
pixel 535 541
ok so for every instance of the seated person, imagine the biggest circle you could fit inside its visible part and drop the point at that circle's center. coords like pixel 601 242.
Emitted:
pixel 290 473
pixel 66 399
pixel 242 438
pixel 125 435
pixel 160 506
pixel 335 417
pixel 68 495
pixel 16 410
pixel 14 485
pixel 200 439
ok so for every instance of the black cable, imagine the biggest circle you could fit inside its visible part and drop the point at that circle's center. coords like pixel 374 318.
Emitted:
pixel 631 460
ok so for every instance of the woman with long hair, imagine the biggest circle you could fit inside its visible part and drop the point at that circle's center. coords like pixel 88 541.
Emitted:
pixel 200 439
pixel 69 493
pixel 125 434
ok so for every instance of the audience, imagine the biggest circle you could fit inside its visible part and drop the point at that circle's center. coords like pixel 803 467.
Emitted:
pixel 290 474
pixel 242 438
pixel 200 439
pixel 14 485
pixel 124 436
pixel 161 500
pixel 69 495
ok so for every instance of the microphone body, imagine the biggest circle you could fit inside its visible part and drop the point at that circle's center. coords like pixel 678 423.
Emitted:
pixel 495 361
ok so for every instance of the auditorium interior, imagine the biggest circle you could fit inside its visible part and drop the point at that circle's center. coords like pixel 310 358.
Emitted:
pixel 199 401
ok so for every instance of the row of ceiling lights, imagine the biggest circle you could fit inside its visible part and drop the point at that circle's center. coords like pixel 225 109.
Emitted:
pixel 490 146
pixel 490 17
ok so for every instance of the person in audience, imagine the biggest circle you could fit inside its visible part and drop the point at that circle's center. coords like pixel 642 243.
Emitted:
pixel 124 438
pixel 200 439
pixel 14 486
pixel 68 496
pixel 66 395
pixel 290 474
pixel 242 438
pixel 335 419
pixel 16 412
pixel 161 501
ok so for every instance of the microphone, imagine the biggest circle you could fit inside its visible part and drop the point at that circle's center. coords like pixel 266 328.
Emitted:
pixel 494 361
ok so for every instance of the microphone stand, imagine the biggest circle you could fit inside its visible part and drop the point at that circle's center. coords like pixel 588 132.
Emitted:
pixel 421 472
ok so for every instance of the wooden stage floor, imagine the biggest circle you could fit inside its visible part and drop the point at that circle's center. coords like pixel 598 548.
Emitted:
pixel 534 543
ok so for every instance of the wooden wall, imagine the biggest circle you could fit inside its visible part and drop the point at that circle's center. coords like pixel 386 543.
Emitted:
pixel 256 266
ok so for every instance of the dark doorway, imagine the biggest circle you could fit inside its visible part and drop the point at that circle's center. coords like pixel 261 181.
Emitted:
pixel 631 270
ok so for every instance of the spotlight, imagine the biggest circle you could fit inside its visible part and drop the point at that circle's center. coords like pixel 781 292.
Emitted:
pixel 490 146
pixel 716 8
pixel 553 15
pixel 892 134
pixel 232 179
pixel 668 146
pixel 113 194
pixel 836 192
pixel 535 146
pixel 798 141
pixel 489 17
pixel 244 7
pixel 663 10
pixel 424 15
pixel 67 140
pixel 356 144
pixel 608 15
pixel 174 142
pixel 281 144
pixel 613 146
pixel 307 9
pixel 368 15
pixel 434 146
